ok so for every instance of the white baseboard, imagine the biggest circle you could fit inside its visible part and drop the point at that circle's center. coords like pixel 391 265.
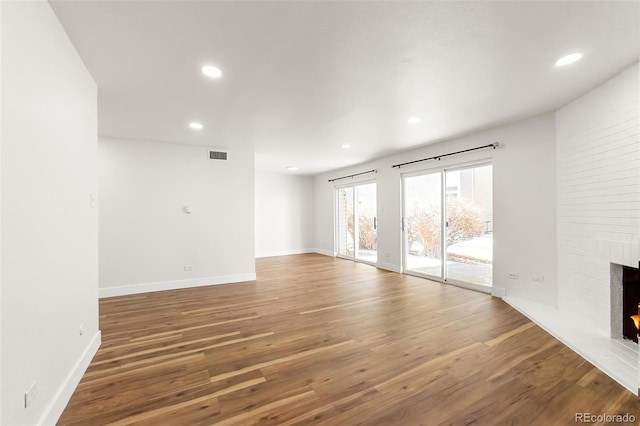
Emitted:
pixel 174 285
pixel 498 292
pixel 324 252
pixel 284 252
pixel 62 396
pixel 470 286
pixel 388 267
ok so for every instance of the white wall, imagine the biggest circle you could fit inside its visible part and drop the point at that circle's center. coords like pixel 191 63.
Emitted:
pixel 598 152
pixel 145 237
pixel 524 202
pixel 284 214
pixel 49 231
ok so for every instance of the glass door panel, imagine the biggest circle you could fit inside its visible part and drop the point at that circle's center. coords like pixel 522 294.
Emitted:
pixel 357 224
pixel 345 222
pixel 366 226
pixel 423 224
pixel 469 230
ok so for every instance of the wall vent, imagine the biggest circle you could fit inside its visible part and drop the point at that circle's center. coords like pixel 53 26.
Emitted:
pixel 217 155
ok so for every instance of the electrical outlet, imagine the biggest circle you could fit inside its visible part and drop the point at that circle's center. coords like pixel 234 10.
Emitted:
pixel 30 394
pixel 538 278
pixel 188 268
pixel 81 329
pixel 512 276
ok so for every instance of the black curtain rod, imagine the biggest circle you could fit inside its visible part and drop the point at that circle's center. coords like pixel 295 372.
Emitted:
pixel 357 174
pixel 438 157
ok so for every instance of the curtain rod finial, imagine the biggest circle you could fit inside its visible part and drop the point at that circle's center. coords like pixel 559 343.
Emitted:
pixel 496 144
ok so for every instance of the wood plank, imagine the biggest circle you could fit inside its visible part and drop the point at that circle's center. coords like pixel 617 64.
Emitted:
pixel 504 336
pixel 164 348
pixel 357 302
pixel 278 361
pixel 252 413
pixel 155 359
pixel 160 411
pixel 195 327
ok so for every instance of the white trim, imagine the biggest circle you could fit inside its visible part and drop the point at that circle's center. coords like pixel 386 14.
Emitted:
pixel 174 285
pixel 424 276
pixel 455 283
pixel 355 259
pixel 324 252
pixel 355 183
pixel 366 262
pixel 442 167
pixel 59 402
pixel 469 286
pixel 284 252
pixel 498 292
pixel 388 267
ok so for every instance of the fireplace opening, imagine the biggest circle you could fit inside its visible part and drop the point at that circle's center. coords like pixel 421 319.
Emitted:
pixel 625 298
pixel 630 302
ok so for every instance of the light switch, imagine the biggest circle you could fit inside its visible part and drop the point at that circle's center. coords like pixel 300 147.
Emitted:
pixel 187 209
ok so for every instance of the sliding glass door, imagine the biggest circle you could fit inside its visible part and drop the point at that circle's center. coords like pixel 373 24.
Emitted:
pixel 356 222
pixel 448 225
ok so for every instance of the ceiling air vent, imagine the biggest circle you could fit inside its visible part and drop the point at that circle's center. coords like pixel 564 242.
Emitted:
pixel 217 155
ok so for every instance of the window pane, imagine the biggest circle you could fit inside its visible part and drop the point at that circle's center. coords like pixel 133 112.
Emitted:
pixel 423 218
pixel 367 222
pixel 345 221
pixel 470 225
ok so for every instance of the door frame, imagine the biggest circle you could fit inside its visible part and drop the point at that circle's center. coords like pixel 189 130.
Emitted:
pixel 442 170
pixel 336 219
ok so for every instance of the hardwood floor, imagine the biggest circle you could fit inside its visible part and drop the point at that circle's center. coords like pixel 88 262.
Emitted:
pixel 328 341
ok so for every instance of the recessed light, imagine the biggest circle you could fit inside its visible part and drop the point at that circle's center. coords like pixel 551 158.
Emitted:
pixel 569 59
pixel 195 126
pixel 413 120
pixel 211 71
pixel 346 146
pixel 292 168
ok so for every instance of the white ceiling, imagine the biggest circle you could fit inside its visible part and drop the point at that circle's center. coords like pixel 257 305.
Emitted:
pixel 302 78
